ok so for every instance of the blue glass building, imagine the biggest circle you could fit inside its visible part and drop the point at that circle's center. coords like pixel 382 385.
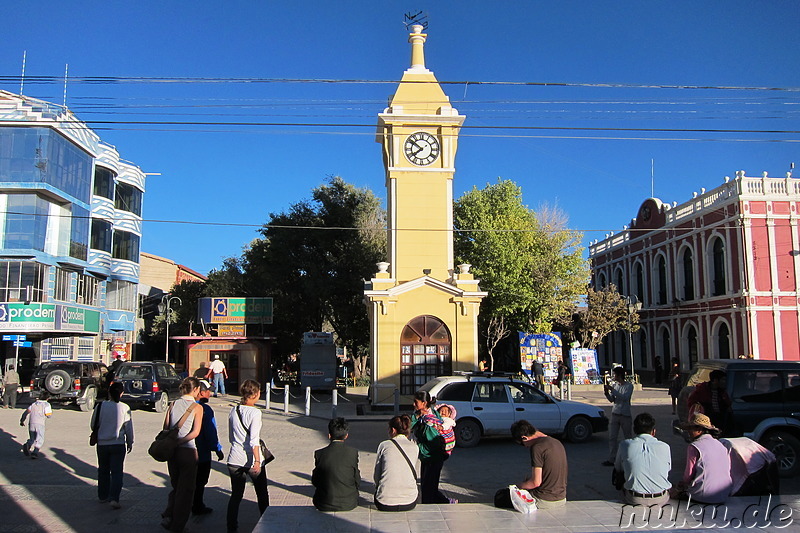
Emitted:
pixel 70 230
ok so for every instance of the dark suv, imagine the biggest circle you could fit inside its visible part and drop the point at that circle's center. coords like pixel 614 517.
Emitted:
pixel 152 383
pixel 765 399
pixel 78 382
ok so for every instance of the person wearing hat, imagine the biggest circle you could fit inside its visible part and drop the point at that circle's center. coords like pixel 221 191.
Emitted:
pixel 707 476
pixel 207 442
pixel 218 375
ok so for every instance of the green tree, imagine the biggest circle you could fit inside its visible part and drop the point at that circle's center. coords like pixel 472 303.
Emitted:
pixel 532 266
pixel 606 312
pixel 313 259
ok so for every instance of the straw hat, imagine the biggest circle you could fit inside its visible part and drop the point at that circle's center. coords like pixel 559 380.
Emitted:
pixel 700 420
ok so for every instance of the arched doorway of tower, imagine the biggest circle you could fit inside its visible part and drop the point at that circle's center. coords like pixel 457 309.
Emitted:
pixel 425 352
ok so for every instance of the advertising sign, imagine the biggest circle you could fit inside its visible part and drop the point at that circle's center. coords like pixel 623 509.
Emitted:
pixel 585 370
pixel 230 330
pixel 48 317
pixel 235 310
pixel 545 346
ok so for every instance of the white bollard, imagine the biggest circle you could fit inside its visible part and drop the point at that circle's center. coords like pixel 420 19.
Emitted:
pixel 334 402
pixel 308 401
pixel 267 396
pixel 286 398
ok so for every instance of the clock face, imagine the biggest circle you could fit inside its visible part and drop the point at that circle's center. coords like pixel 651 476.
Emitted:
pixel 421 148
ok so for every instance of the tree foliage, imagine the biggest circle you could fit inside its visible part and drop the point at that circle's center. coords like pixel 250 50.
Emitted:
pixel 313 259
pixel 530 263
pixel 606 312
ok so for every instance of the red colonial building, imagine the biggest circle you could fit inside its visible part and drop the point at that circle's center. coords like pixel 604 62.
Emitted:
pixel 716 276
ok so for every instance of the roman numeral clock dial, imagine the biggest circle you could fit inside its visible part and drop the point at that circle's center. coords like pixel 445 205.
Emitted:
pixel 421 148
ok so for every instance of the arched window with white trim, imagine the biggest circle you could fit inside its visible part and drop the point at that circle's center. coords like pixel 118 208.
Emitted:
pixel 717 269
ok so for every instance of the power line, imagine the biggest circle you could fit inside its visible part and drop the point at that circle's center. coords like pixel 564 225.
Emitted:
pixel 107 80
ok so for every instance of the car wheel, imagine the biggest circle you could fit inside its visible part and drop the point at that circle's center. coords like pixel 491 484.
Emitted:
pixel 162 403
pixel 786 448
pixel 468 433
pixel 57 382
pixel 578 429
pixel 90 397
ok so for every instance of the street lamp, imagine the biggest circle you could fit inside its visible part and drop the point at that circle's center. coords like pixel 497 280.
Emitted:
pixel 164 307
pixel 634 306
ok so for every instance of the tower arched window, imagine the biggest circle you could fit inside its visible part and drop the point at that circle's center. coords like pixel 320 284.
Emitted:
pixel 639 282
pixel 687 270
pixel 718 278
pixel 424 352
pixel 661 280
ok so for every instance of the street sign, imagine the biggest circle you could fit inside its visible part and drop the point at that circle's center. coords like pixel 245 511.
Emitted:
pixel 14 337
pixel 23 344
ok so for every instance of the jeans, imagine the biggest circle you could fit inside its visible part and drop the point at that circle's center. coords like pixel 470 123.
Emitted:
pixel 430 471
pixel 239 475
pixel 10 395
pixel 219 384
pixel 36 434
pixel 618 422
pixel 110 459
pixel 182 471
pixel 203 472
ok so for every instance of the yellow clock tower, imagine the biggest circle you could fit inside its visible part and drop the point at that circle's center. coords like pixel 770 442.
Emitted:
pixel 423 312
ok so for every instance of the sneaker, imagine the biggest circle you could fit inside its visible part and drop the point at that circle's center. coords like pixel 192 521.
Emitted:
pixel 166 523
pixel 114 504
pixel 452 500
pixel 26 450
pixel 202 510
pixel 34 455
pixel 103 501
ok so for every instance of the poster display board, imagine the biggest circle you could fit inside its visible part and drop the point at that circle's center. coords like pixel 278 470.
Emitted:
pixel 546 346
pixel 585 370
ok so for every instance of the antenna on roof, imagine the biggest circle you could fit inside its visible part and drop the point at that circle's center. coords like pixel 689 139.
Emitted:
pixel 420 18
pixel 66 70
pixel 22 78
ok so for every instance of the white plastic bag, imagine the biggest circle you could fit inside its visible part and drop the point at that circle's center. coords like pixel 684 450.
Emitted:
pixel 522 500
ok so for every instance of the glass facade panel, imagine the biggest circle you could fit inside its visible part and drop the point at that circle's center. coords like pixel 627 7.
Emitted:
pixel 128 198
pixel 126 246
pixel 88 290
pixel 26 222
pixel 101 235
pixel 22 281
pixel 121 295
pixel 63 285
pixel 79 234
pixel 42 155
pixel 103 183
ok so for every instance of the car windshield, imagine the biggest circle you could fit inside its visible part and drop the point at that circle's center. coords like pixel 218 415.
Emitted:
pixel 135 372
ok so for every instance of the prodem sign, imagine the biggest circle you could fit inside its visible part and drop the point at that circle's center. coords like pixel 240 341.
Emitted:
pixel 226 310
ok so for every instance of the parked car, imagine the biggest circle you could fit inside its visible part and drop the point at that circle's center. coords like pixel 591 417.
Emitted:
pixel 487 404
pixel 77 382
pixel 765 400
pixel 151 383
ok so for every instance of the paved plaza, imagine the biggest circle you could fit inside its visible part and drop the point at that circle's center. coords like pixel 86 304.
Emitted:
pixel 57 493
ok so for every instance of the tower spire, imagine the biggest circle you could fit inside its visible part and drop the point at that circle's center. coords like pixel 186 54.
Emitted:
pixel 417 40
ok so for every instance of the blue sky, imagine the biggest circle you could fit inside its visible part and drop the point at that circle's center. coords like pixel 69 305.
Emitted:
pixel 223 181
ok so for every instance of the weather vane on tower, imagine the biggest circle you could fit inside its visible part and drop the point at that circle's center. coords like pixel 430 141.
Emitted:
pixel 413 19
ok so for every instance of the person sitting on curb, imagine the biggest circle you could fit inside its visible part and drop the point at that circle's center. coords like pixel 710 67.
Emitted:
pixel 548 480
pixel 707 476
pixel 335 475
pixel 643 464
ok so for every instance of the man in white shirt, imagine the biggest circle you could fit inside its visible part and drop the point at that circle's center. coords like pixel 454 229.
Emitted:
pixel 218 375
pixel 618 392
pixel 644 463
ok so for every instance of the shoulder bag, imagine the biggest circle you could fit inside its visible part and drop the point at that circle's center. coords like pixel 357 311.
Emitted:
pixel 266 455
pixel 96 425
pixel 163 447
pixel 410 464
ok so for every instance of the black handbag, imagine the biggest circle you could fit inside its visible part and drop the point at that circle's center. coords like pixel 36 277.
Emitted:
pixel 96 425
pixel 163 446
pixel 266 455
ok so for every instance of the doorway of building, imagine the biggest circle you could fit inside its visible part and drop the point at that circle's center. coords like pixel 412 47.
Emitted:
pixel 231 360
